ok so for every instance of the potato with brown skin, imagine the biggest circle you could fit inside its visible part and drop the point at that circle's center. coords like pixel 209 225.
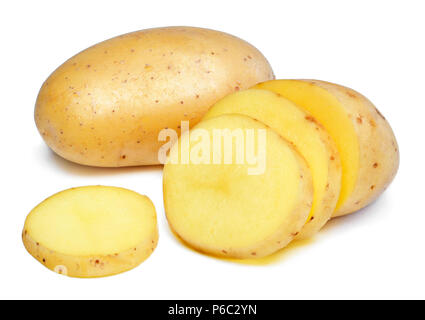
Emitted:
pixel 106 106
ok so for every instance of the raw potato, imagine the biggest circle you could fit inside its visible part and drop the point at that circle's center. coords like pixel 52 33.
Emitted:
pixel 308 137
pixel 222 210
pixel 92 231
pixel 106 106
pixel 365 141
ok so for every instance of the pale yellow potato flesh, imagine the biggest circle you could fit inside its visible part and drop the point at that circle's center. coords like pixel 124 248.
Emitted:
pixel 220 209
pixel 106 105
pixel 92 231
pixel 307 136
pixel 364 139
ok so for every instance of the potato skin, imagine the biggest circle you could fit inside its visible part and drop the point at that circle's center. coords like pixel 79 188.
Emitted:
pixel 333 186
pixel 90 266
pixel 379 153
pixel 105 106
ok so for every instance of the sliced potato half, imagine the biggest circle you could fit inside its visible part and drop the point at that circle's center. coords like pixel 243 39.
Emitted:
pixel 364 139
pixel 222 208
pixel 92 231
pixel 308 137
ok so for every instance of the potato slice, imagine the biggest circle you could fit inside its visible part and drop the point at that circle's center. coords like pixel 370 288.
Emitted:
pixel 92 231
pixel 222 209
pixel 308 137
pixel 364 139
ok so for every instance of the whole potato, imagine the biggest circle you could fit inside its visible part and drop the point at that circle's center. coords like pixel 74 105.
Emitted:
pixel 106 106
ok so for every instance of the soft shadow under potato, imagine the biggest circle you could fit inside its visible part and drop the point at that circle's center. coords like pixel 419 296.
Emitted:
pixel 82 170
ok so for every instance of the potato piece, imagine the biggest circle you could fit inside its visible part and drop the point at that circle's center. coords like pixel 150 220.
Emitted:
pixel 222 209
pixel 308 137
pixel 105 106
pixel 364 139
pixel 92 231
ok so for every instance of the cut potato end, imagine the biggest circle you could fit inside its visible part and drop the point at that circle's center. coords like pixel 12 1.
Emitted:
pixel 379 154
pixel 308 137
pixel 333 116
pixel 222 209
pixel 92 231
pixel 364 139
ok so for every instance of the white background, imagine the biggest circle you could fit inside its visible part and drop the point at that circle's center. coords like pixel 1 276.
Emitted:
pixel 375 47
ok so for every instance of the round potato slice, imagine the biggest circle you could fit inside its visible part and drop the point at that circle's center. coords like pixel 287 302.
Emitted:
pixel 364 139
pixel 92 231
pixel 223 201
pixel 308 137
